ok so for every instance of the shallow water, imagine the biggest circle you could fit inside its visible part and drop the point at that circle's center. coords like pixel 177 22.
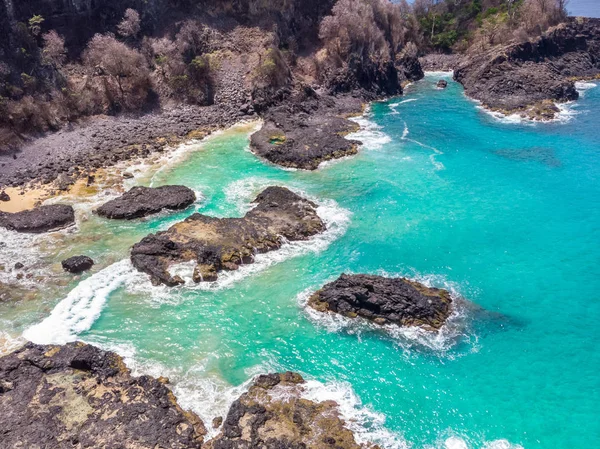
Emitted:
pixel 505 214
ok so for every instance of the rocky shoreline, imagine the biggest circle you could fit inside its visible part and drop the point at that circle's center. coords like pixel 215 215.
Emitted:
pixel 216 244
pixel 382 300
pixel 78 395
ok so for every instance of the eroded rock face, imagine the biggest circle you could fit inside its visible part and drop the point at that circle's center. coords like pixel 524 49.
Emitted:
pixel 217 244
pixel 80 396
pixel 38 220
pixel 273 414
pixel 530 76
pixel 143 201
pixel 77 264
pixel 384 300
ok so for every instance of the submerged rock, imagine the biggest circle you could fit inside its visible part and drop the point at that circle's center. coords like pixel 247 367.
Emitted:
pixel 80 396
pixel 442 84
pixel 273 414
pixel 77 264
pixel 40 219
pixel 384 300
pixel 143 201
pixel 217 244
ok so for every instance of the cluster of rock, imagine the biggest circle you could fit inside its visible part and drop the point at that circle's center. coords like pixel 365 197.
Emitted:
pixel 217 244
pixel 80 396
pixel 143 201
pixel 529 77
pixel 398 301
pixel 77 395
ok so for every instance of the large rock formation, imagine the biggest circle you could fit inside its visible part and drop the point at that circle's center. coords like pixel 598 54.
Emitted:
pixel 143 201
pixel 217 244
pixel 40 219
pixel 304 134
pixel 384 300
pixel 273 414
pixel 529 77
pixel 82 397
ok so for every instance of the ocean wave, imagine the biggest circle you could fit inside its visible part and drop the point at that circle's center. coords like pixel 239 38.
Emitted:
pixel 440 73
pixel 437 164
pixel 459 442
pixel 394 106
pixel 369 134
pixel 8 343
pixel 82 306
pixel 583 86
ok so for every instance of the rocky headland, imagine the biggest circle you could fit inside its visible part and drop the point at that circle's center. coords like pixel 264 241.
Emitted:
pixel 40 219
pixel 528 78
pixel 80 396
pixel 273 414
pixel 384 300
pixel 143 201
pixel 217 244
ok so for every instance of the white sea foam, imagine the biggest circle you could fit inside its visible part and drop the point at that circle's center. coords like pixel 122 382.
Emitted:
pixel 369 134
pixel 82 306
pixel 394 106
pixel 440 74
pixel 437 164
pixel 583 86
pixel 9 343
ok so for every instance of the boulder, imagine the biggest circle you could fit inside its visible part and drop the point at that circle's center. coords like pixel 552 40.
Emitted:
pixel 384 300
pixel 273 414
pixel 442 84
pixel 4 196
pixel 143 201
pixel 77 264
pixel 80 396
pixel 38 220
pixel 217 244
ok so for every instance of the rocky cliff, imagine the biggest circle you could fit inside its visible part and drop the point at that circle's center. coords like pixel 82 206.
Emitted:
pixel 529 77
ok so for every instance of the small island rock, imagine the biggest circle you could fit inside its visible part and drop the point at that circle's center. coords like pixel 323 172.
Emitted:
pixel 38 220
pixel 384 300
pixel 217 244
pixel 143 201
pixel 77 264
pixel 442 84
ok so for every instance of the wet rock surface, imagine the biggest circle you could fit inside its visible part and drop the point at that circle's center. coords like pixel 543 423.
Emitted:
pixel 77 264
pixel 143 201
pixel 80 396
pixel 384 300
pixel 273 414
pixel 304 134
pixel 529 77
pixel 38 220
pixel 217 244
pixel 442 84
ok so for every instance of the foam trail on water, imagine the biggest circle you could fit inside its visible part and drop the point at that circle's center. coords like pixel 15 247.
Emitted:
pixel 440 74
pixel 438 165
pixel 369 134
pixel 82 306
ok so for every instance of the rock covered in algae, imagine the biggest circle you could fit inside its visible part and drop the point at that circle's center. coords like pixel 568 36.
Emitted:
pixel 217 244
pixel 143 201
pixel 40 219
pixel 79 396
pixel 384 300
pixel 273 414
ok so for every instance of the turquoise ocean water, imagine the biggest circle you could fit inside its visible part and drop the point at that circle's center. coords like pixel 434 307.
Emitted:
pixel 505 214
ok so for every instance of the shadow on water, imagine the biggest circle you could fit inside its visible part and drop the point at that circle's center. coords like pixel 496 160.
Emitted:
pixel 546 156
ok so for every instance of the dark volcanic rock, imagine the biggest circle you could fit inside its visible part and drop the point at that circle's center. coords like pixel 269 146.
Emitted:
pixel 528 77
pixel 437 62
pixel 80 396
pixel 4 196
pixel 40 219
pixel 142 201
pixel 77 264
pixel 442 84
pixel 217 244
pixel 304 135
pixel 273 414
pixel 384 300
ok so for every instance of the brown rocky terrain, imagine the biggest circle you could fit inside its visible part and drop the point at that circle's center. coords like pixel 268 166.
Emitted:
pixel 384 300
pixel 217 244
pixel 529 77
pixel 273 414
pixel 79 396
